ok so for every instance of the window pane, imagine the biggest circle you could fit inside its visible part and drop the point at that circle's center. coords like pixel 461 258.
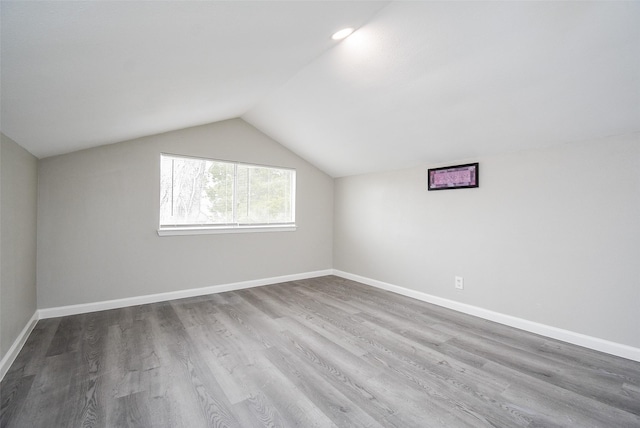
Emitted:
pixel 220 192
pixel 264 195
pixel 166 189
pixel 187 206
pixel 207 192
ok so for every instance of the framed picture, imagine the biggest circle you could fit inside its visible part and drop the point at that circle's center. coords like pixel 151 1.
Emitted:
pixel 453 177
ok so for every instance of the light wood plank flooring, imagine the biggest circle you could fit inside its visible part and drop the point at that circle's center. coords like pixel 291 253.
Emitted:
pixel 322 352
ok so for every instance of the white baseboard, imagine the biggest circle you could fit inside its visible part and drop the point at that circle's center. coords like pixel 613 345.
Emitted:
pixel 15 349
pixel 61 311
pixel 613 348
pixel 597 344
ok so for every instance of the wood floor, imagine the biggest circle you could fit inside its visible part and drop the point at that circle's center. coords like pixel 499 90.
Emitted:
pixel 322 352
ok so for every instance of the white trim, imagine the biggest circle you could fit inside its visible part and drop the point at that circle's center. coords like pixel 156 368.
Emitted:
pixel 595 343
pixel 83 308
pixel 613 348
pixel 180 231
pixel 15 349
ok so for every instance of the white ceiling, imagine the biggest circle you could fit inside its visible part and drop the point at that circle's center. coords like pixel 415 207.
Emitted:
pixel 81 74
pixel 419 82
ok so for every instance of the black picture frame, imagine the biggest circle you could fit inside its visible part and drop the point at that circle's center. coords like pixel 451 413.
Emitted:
pixel 464 176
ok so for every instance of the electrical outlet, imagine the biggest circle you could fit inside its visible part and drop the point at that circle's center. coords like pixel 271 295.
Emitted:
pixel 459 283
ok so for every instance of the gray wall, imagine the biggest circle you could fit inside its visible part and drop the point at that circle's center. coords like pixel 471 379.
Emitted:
pixel 551 236
pixel 98 216
pixel 18 197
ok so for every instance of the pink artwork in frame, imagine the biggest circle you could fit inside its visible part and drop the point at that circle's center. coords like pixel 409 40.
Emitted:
pixel 453 177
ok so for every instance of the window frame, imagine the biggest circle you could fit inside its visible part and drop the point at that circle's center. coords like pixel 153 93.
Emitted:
pixel 235 227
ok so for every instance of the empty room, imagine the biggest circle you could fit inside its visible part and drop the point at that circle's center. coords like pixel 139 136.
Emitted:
pixel 319 214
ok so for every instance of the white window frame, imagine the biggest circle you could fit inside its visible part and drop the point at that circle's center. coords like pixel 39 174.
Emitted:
pixel 230 228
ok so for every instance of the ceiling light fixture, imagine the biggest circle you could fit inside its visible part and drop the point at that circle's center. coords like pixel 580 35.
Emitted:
pixel 339 35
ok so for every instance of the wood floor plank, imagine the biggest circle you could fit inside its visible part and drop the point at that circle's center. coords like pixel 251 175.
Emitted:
pixel 32 356
pixel 583 382
pixel 132 411
pixel 66 338
pixel 550 405
pixel 276 399
pixel 264 305
pixel 322 352
pixel 13 397
pixel 329 400
pixel 349 384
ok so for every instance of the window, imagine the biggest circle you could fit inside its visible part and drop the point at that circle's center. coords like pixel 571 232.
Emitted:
pixel 207 196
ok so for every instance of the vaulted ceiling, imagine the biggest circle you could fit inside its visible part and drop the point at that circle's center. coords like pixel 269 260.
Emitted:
pixel 417 82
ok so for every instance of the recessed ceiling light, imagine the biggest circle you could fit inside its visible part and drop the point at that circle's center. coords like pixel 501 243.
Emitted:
pixel 342 34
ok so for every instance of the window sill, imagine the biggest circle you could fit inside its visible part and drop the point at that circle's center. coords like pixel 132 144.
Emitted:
pixel 181 231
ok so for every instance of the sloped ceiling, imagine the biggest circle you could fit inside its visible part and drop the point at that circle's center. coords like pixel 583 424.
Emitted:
pixel 79 74
pixel 418 82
